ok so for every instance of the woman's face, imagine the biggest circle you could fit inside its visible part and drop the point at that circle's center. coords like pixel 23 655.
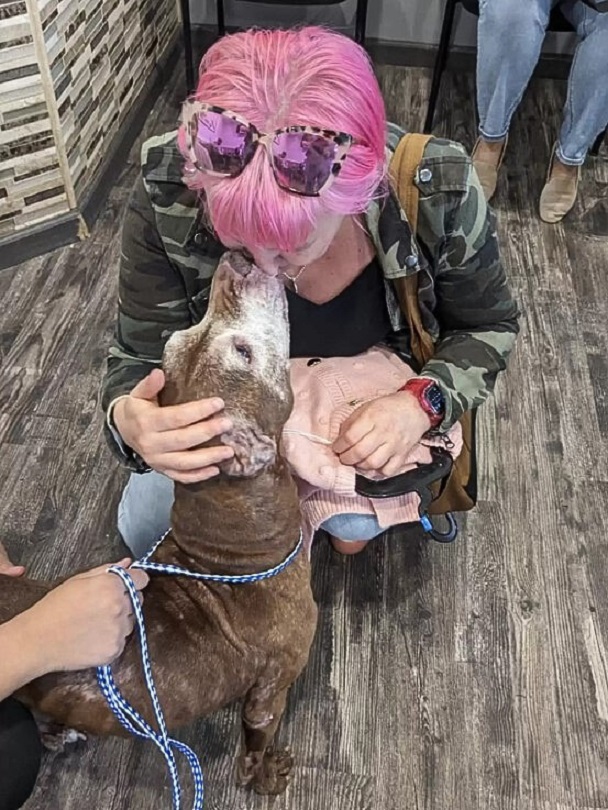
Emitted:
pixel 275 262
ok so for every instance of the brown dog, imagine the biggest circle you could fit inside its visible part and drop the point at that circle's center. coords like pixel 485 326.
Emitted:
pixel 211 643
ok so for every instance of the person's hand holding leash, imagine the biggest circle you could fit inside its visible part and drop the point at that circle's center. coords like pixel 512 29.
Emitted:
pixel 84 622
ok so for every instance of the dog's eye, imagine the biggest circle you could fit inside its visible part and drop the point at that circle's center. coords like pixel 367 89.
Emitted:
pixel 244 351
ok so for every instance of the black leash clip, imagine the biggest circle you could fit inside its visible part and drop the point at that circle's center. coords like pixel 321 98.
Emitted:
pixel 418 480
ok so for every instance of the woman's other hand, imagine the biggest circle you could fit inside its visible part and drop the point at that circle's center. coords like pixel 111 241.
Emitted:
pixel 380 434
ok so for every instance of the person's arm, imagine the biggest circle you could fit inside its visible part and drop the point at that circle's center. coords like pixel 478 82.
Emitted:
pixel 82 623
pixel 152 301
pixel 477 314
pixel 152 305
pixel 474 308
pixel 20 660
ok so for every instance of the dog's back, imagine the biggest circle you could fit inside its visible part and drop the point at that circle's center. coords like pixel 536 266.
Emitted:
pixel 209 644
pixel 18 594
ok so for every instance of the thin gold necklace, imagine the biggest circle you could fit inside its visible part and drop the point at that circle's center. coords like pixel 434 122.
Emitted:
pixel 295 278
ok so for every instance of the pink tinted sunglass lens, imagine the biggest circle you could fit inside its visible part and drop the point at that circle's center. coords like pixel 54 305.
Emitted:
pixel 303 161
pixel 222 144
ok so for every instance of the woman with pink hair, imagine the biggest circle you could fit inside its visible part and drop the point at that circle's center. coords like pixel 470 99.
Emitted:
pixel 283 153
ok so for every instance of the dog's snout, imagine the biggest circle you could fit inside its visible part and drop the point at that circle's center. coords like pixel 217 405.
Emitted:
pixel 240 262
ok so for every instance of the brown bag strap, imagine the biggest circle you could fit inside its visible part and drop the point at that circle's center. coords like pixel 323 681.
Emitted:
pixel 404 165
pixel 402 170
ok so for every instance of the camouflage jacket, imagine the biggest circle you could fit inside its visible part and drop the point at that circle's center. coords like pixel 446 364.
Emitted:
pixel 169 257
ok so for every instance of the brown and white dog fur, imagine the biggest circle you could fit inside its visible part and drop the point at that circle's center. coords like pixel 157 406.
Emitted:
pixel 211 644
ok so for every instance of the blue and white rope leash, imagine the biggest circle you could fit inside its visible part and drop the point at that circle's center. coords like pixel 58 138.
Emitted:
pixel 126 714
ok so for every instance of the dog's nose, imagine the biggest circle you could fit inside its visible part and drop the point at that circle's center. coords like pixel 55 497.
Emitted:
pixel 241 263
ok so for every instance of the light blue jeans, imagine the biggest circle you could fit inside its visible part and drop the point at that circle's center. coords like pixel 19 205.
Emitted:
pixel 510 36
pixel 144 514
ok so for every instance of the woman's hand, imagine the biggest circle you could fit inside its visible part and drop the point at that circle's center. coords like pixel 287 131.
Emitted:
pixel 164 437
pixel 84 622
pixel 379 435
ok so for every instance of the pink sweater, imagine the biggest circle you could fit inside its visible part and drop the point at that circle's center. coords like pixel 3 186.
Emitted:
pixel 325 394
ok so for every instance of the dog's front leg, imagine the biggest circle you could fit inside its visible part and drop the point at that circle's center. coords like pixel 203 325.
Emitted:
pixel 259 764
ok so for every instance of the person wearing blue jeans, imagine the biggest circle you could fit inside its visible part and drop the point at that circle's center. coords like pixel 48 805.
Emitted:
pixel 337 248
pixel 510 38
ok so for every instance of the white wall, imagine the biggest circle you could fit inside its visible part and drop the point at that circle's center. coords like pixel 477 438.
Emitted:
pixel 408 21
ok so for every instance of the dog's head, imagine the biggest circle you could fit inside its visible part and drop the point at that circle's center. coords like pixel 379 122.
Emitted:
pixel 238 352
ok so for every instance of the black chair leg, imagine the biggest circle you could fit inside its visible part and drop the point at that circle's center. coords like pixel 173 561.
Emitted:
pixel 187 34
pixel 440 61
pixel 221 25
pixel 595 149
pixel 361 21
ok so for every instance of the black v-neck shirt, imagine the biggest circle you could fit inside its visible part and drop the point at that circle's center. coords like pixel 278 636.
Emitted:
pixel 351 323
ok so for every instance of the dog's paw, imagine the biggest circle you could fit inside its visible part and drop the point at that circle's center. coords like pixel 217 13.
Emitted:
pixel 271 778
pixel 244 770
pixel 57 738
pixel 267 774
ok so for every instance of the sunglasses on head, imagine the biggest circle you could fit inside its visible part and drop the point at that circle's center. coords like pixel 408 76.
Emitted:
pixel 304 159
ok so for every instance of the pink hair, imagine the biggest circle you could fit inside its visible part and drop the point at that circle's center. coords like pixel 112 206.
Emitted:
pixel 278 78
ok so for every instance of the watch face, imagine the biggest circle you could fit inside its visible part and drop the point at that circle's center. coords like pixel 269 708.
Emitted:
pixel 435 399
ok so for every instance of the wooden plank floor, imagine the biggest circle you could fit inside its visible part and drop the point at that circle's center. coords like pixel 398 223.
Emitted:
pixel 442 678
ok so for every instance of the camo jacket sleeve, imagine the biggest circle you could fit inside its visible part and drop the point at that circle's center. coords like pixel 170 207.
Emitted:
pixel 152 302
pixel 474 309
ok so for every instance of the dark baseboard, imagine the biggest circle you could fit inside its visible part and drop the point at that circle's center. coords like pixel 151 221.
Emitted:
pixel 68 228
pixel 23 245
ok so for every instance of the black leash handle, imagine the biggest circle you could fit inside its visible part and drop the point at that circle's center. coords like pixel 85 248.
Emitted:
pixel 418 480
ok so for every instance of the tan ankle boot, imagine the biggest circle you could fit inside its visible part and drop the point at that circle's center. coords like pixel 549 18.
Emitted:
pixel 487 166
pixel 559 194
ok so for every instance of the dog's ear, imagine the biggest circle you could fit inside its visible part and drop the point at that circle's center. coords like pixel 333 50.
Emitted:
pixel 253 451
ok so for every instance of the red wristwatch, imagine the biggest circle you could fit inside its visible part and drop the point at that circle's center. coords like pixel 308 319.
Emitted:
pixel 430 397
